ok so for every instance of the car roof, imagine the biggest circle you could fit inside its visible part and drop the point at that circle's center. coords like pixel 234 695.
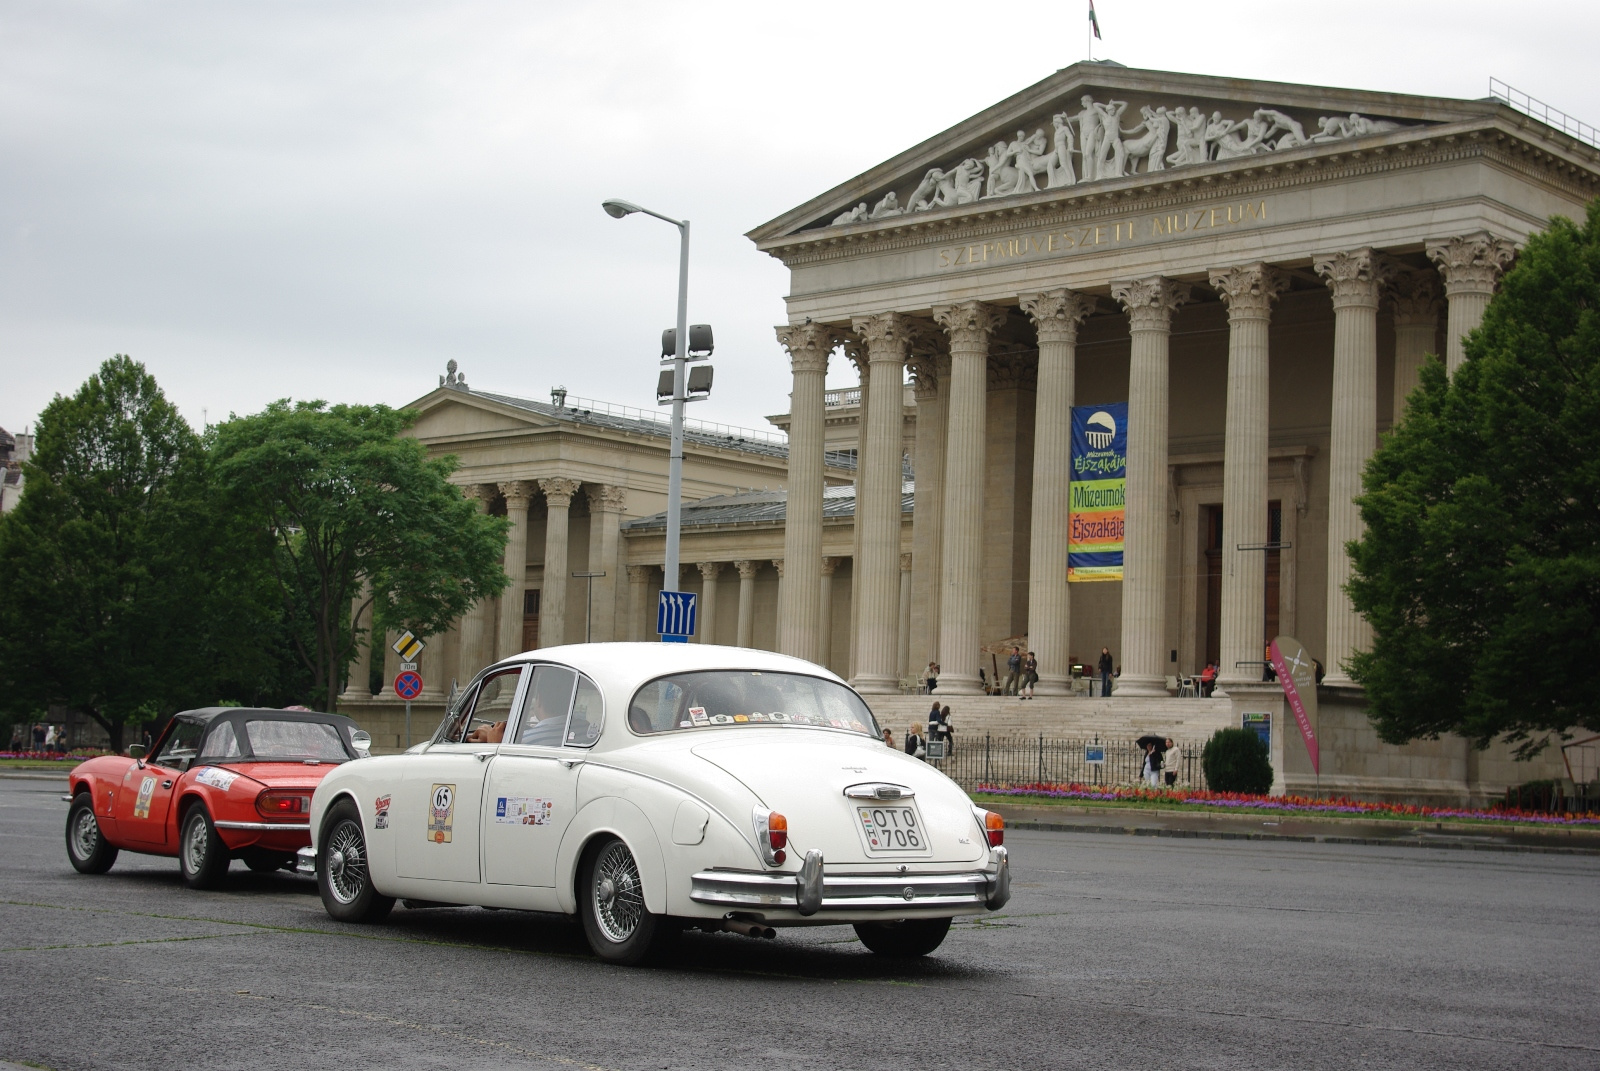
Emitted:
pixel 625 666
pixel 205 715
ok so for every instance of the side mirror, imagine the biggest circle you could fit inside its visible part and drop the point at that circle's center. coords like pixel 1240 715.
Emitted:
pixel 137 751
pixel 361 740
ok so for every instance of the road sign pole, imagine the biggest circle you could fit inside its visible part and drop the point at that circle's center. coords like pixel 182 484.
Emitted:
pixel 408 724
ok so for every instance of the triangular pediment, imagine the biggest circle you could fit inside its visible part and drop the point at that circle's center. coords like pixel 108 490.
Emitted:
pixel 1096 122
pixel 449 413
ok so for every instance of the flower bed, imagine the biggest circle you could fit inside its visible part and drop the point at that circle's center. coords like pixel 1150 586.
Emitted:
pixel 1239 802
pixel 52 756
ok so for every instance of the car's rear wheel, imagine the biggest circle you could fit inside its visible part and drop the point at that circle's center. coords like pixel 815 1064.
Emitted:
pixel 344 877
pixel 202 856
pixel 87 847
pixel 620 928
pixel 904 939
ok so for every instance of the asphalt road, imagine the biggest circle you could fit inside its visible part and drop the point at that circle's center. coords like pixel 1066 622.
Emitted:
pixel 1115 952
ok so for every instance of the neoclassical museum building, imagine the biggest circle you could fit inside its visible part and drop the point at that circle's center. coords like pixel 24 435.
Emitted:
pixel 1256 270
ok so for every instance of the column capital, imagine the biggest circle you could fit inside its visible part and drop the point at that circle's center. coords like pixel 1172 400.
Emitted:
pixel 970 323
pixel 1151 302
pixel 1472 263
pixel 518 494
pixel 905 563
pixel 478 494
pixel 640 574
pixel 777 563
pixel 1057 313
pixel 887 335
pixel 606 497
pixel 1416 298
pixel 747 569
pixel 1249 289
pixel 830 565
pixel 710 570
pixel 924 370
pixel 809 345
pixel 1355 277
pixel 558 490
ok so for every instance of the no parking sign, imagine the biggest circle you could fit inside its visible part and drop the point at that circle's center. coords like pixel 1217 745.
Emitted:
pixel 408 685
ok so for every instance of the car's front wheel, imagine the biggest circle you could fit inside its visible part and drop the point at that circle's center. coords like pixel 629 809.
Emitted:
pixel 619 927
pixel 344 877
pixel 904 939
pixel 202 857
pixel 87 847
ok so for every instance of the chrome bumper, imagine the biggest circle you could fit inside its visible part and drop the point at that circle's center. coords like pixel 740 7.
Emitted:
pixel 736 889
pixel 305 862
pixel 279 827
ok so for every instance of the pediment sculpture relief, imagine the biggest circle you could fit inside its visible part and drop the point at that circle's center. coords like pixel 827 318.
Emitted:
pixel 1092 144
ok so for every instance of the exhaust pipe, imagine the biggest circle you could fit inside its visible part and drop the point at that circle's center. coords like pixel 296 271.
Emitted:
pixel 748 928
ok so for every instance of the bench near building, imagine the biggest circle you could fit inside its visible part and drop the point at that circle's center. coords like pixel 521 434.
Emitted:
pixel 1256 269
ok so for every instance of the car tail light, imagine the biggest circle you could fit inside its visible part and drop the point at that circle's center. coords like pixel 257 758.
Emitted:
pixel 994 826
pixel 283 803
pixel 772 834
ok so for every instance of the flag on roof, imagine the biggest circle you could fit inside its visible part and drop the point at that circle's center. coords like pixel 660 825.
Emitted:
pixel 1094 23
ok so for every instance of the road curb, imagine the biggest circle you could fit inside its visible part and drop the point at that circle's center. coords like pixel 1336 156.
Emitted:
pixel 1291 838
pixel 33 775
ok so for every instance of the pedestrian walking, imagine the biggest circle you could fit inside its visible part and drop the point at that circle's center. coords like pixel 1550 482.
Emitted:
pixel 1152 764
pixel 948 731
pixel 914 744
pixel 1030 674
pixel 1013 672
pixel 1107 664
pixel 1172 763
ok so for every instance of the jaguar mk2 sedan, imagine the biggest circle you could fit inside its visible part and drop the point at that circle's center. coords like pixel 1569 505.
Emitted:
pixel 221 783
pixel 650 788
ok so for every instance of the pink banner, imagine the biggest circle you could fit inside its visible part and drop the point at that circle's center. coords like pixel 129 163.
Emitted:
pixel 1296 670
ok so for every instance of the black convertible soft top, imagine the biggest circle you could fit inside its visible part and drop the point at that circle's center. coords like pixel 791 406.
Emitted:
pixel 213 717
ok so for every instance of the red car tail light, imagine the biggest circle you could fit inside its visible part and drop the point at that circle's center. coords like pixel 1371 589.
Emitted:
pixel 777 831
pixel 772 834
pixel 283 803
pixel 994 826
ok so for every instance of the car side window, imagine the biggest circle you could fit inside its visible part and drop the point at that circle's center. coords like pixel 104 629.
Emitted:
pixel 221 743
pixel 181 744
pixel 588 712
pixel 544 712
pixel 486 711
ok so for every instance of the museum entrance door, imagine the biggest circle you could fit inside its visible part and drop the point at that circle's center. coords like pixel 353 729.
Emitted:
pixel 1211 560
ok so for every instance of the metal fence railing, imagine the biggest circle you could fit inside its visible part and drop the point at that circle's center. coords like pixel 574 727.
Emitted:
pixel 1021 760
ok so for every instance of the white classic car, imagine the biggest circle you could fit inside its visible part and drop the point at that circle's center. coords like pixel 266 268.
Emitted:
pixel 650 788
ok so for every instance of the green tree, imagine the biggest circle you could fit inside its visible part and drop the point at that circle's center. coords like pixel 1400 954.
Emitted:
pixel 339 498
pixel 1235 760
pixel 1480 566
pixel 120 594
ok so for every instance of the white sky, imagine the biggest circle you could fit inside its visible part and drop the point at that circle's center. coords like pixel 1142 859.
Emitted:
pixel 329 200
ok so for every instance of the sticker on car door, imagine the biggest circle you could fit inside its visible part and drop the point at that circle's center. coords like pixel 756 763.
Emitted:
pixel 521 811
pixel 442 814
pixel 141 806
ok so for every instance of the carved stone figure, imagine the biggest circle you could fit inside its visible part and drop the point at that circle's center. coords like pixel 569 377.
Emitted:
pixel 1029 155
pixel 1294 134
pixel 1148 140
pixel 855 215
pixel 1113 155
pixel 1060 160
pixel 1246 138
pixel 1089 133
pixel 888 206
pixel 1338 127
pixel 451 377
pixel 928 191
pixel 1191 137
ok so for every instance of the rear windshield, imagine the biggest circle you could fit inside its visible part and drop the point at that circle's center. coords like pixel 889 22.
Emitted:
pixel 732 699
pixel 295 741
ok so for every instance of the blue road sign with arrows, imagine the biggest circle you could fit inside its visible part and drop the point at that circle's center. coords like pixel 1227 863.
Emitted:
pixel 675 616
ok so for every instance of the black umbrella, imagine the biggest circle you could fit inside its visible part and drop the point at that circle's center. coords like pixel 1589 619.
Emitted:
pixel 1160 742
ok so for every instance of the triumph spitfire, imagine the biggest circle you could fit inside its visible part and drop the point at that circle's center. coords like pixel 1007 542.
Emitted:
pixel 650 788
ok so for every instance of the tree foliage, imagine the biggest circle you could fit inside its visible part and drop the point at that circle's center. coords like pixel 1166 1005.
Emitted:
pixel 338 500
pixel 1480 566
pixel 120 595
pixel 1235 760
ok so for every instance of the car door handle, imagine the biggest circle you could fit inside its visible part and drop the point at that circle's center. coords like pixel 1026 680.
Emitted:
pixel 483 756
pixel 570 763
pixel 166 784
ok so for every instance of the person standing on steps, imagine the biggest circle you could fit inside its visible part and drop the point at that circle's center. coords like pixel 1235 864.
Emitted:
pixel 1013 672
pixel 1107 664
pixel 1030 674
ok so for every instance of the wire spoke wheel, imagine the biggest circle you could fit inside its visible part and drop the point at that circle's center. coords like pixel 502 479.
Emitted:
pixel 195 844
pixel 617 893
pixel 347 862
pixel 85 834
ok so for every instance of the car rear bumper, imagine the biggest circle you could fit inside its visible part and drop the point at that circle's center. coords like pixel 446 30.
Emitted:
pixel 815 894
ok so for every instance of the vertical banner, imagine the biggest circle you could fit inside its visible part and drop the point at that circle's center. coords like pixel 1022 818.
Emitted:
pixel 1297 673
pixel 1098 492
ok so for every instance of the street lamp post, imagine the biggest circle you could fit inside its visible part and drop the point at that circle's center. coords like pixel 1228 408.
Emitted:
pixel 680 363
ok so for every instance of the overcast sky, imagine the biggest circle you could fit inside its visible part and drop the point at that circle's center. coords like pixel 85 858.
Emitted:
pixel 331 199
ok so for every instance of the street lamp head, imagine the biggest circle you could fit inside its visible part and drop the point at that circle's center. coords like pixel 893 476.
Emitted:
pixel 617 209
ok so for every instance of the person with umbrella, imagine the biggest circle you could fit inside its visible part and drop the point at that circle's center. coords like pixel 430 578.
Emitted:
pixel 1154 749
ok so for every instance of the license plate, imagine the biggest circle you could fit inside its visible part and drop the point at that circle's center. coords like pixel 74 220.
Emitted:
pixel 892 829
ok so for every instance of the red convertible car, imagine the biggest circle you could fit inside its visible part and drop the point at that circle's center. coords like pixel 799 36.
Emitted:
pixel 221 783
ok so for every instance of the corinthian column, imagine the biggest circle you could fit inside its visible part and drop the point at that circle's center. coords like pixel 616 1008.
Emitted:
pixel 605 524
pixel 638 600
pixel 808 346
pixel 518 494
pixel 878 511
pixel 558 494
pixel 474 623
pixel 709 571
pixel 1249 292
pixel 1471 266
pixel 747 601
pixel 1056 316
pixel 1150 304
pixel 961 571
pixel 1355 279
pixel 825 612
pixel 1416 325
pixel 930 378
pixel 358 685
